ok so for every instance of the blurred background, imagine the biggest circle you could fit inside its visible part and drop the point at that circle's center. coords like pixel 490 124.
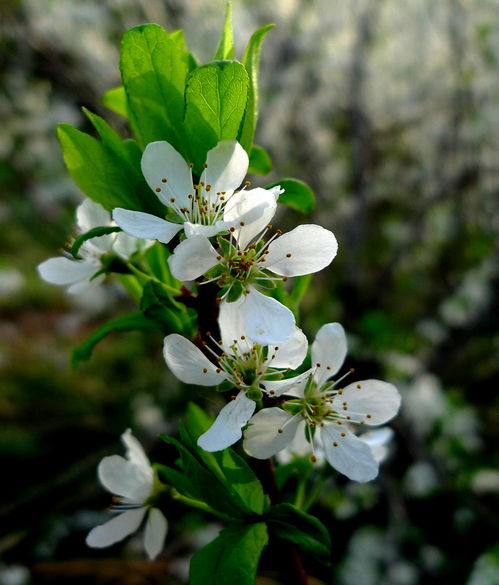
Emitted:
pixel 389 109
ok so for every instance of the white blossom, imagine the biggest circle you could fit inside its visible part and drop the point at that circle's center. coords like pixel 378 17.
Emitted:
pixel 325 412
pixel 248 366
pixel 246 262
pixel 133 483
pixel 206 208
pixel 79 274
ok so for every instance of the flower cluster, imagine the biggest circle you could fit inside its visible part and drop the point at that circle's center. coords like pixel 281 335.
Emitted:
pixel 219 233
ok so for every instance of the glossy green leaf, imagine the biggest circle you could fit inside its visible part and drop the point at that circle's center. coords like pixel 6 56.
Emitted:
pixel 225 49
pixel 130 322
pixel 215 96
pixel 107 170
pixel 232 557
pixel 288 522
pixel 251 60
pixel 115 100
pixel 156 303
pixel 154 66
pixel 259 161
pixel 297 195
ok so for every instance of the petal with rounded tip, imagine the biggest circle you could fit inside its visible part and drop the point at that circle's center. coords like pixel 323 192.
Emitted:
pixel 161 161
pixel 377 440
pixel 90 215
pixel 145 225
pixel 290 353
pixel 134 450
pixel 373 402
pixel 124 478
pixel 226 166
pixel 192 258
pixel 329 349
pixel 348 455
pixel 231 323
pixel 66 271
pixel 255 209
pixel 116 529
pixel 155 533
pixel 266 321
pixel 189 364
pixel 304 250
pixel 226 429
pixel 269 431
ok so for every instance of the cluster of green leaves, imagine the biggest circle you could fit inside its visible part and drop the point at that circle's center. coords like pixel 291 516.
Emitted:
pixel 224 485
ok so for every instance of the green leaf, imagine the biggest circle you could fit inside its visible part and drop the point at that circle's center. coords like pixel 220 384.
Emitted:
pixel 93 233
pixel 225 49
pixel 154 66
pixel 107 170
pixel 251 60
pixel 292 524
pixel 115 100
pixel 215 96
pixel 259 161
pixel 300 287
pixel 297 195
pixel 131 322
pixel 231 558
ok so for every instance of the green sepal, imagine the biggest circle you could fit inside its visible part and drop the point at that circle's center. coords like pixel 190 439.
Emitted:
pixel 115 100
pixel 297 195
pixel 215 98
pixel 289 523
pixel 260 162
pixel 225 49
pixel 251 60
pixel 135 321
pixel 236 290
pixel 154 66
pixel 93 233
pixel 232 557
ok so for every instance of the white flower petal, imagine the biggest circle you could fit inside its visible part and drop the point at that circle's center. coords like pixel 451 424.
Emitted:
pixel 192 258
pixel 255 208
pixel 291 386
pixel 348 455
pixel 231 323
pixel 310 248
pixel 372 401
pixel 90 215
pixel 197 229
pixel 266 321
pixel 226 429
pixel 124 478
pixel 116 529
pixel 290 353
pixel 155 533
pixel 329 349
pixel 66 271
pixel 125 245
pixel 83 286
pixel 161 161
pixel 134 451
pixel 269 431
pixel 377 440
pixel 226 167
pixel 145 225
pixel 188 363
